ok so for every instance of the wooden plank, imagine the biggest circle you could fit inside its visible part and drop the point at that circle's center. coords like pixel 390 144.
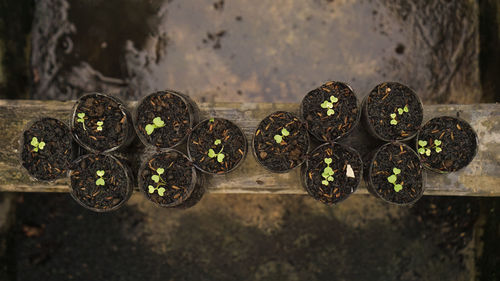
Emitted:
pixel 480 178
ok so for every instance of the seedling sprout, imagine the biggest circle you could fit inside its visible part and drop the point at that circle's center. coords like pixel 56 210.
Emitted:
pixel 81 119
pixel 279 138
pixel 327 172
pixel 100 179
pixel 328 104
pixel 159 182
pixel 157 123
pixel 393 178
pixel 37 145
pixel 220 156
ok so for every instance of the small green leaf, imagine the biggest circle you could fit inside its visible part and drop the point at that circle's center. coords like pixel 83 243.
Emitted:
pixel 34 141
pixel 325 175
pixel 392 178
pixel 330 112
pixel 328 161
pixel 393 115
pixel 35 149
pixel 394 122
pixel 334 99
pixel 158 122
pixel 161 191
pixel 100 173
pixel 422 143
pixel 81 115
pixel 285 132
pixel 151 189
pixel 100 123
pixel 324 104
pixel 421 150
pixel 278 138
pixel 325 182
pixel 211 153
pixel 99 181
pixel 328 170
pixel 149 129
pixel 220 157
pixel 41 145
pixel 438 149
pixel 397 187
pixel 428 152
pixel 217 142
pixel 155 178
pixel 160 171
pixel 437 142
pixel 396 171
pixel 400 111
pixel 330 178
pixel 211 120
pixel 405 109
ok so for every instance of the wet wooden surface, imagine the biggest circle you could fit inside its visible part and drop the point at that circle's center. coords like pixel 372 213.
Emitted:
pixel 480 178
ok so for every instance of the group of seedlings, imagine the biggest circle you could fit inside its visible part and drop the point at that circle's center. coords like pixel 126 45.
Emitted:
pixel 167 123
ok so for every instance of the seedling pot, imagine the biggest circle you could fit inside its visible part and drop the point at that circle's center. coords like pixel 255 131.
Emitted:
pixel 395 174
pixel 46 149
pixel 392 112
pixel 280 142
pixel 101 123
pixel 164 119
pixel 446 144
pixel 216 146
pixel 168 178
pixel 332 172
pixel 101 182
pixel 330 111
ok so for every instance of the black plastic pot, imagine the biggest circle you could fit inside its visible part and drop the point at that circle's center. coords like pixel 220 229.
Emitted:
pixel 290 152
pixel 392 112
pixel 212 138
pixel 333 185
pixel 105 126
pixel 411 175
pixel 101 182
pixel 176 185
pixel 330 111
pixel 178 113
pixel 446 144
pixel 46 149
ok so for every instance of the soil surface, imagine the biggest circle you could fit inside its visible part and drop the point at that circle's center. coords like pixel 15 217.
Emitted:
pixel 173 183
pixel 50 160
pixel 410 176
pixel 217 146
pixel 114 129
pixel 393 111
pixel 456 144
pixel 346 166
pixel 287 154
pixel 173 111
pixel 88 190
pixel 329 120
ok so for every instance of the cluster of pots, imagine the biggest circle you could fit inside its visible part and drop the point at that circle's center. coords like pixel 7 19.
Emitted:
pixel 180 147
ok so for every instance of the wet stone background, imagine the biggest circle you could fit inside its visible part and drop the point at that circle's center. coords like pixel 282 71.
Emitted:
pixel 249 51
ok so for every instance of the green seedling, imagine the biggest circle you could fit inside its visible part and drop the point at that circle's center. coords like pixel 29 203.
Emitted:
pixel 99 125
pixel 220 156
pixel 211 120
pixel 393 178
pixel 159 182
pixel 327 172
pixel 81 119
pixel 328 104
pixel 37 145
pixel 400 112
pixel 157 123
pixel 100 179
pixel 424 149
pixel 284 133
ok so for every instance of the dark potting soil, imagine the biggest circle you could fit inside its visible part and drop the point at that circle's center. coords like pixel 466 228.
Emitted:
pixel 409 177
pixel 50 156
pixel 332 173
pixel 100 122
pixel 330 111
pixel 393 111
pixel 287 154
pixel 175 114
pixel 446 144
pixel 167 178
pixel 97 190
pixel 217 146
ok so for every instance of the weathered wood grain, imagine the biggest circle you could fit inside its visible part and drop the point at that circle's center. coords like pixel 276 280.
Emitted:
pixel 480 178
